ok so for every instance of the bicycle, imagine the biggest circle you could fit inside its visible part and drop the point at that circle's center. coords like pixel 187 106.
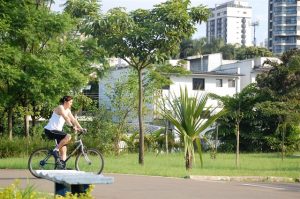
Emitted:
pixel 88 160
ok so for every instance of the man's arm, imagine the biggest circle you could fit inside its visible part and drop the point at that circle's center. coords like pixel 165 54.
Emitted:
pixel 64 113
pixel 74 121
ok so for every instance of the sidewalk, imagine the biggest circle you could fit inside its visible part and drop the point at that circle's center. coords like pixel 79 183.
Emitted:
pixel 270 179
pixel 147 187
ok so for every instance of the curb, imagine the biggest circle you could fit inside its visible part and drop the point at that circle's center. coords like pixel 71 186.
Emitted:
pixel 245 178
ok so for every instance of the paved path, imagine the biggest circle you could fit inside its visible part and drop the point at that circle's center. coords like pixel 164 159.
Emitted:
pixel 144 187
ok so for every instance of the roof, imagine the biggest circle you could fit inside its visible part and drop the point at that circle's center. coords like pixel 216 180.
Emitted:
pixel 216 73
pixel 212 73
pixel 148 128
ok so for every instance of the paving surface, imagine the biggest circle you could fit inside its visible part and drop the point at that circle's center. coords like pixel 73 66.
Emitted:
pixel 145 187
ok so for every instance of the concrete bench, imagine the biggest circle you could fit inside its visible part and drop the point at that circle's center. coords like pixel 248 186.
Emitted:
pixel 72 181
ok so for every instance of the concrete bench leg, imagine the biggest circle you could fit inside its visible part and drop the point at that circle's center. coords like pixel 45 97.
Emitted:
pixel 61 189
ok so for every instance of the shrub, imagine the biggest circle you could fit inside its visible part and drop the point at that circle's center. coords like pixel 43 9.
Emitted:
pixel 13 191
pixel 20 146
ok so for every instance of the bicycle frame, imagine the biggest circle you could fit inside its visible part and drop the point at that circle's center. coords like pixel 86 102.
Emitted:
pixel 79 146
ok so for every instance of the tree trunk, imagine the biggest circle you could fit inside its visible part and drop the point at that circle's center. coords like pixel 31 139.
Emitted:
pixel 237 160
pixel 140 116
pixel 10 123
pixel 26 125
pixel 166 136
pixel 188 161
pixel 117 140
pixel 283 140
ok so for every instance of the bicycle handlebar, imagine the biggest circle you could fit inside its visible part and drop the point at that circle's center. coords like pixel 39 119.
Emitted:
pixel 82 131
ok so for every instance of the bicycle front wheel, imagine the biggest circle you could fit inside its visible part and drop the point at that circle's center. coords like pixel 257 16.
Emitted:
pixel 90 161
pixel 41 159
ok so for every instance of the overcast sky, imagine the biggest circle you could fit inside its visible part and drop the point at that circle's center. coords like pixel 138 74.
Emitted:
pixel 259 11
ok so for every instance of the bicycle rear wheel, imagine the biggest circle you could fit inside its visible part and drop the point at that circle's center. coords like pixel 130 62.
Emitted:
pixel 90 161
pixel 41 159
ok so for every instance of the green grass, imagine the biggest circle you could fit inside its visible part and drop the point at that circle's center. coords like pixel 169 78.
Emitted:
pixel 173 165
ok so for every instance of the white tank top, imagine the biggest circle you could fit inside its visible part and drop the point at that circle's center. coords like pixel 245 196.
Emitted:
pixel 56 122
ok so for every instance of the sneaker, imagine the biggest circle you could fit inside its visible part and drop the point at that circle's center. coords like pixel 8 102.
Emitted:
pixel 60 164
pixel 55 154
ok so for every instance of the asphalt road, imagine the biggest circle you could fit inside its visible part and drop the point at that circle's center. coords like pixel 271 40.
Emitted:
pixel 145 187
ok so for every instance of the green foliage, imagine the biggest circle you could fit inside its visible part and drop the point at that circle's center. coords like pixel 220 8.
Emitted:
pixel 190 116
pixel 21 147
pixel 42 56
pixel 192 47
pixel 15 192
pixel 282 85
pixel 146 37
pixel 252 52
pixel 101 130
pixel 87 195
pixel 291 142
pixel 238 108
pixel 131 142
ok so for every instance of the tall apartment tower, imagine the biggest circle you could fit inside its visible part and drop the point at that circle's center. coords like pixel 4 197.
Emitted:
pixel 231 21
pixel 284 25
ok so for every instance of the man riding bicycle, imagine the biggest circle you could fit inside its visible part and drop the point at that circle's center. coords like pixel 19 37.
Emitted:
pixel 54 129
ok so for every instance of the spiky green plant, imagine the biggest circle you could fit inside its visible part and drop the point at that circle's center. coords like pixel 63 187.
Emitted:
pixel 190 116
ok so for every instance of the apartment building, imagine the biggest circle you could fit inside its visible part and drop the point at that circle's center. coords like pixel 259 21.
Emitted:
pixel 231 21
pixel 284 25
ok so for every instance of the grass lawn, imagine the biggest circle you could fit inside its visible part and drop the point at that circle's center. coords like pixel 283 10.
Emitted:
pixel 173 165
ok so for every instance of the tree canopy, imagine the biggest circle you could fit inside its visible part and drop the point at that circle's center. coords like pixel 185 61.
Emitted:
pixel 145 37
pixel 192 47
pixel 42 56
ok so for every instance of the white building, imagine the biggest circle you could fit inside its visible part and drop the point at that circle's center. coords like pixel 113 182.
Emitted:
pixel 209 74
pixel 284 25
pixel 231 21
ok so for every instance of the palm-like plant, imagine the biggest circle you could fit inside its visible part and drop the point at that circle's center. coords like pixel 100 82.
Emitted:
pixel 190 116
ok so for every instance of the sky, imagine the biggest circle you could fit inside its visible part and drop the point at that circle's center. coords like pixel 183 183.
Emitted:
pixel 259 12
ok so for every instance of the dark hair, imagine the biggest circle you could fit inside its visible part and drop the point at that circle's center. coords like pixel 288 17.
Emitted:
pixel 65 99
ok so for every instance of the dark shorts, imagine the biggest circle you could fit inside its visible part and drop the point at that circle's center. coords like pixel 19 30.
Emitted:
pixel 54 134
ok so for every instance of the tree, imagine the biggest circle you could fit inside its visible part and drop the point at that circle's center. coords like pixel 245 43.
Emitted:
pixel 190 47
pixel 238 108
pixel 123 97
pixel 252 52
pixel 190 116
pixel 282 86
pixel 214 46
pixel 44 57
pixel 145 37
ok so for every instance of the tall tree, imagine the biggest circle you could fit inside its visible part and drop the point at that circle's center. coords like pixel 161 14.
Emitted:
pixel 252 52
pixel 190 47
pixel 45 56
pixel 282 86
pixel 145 37
pixel 238 108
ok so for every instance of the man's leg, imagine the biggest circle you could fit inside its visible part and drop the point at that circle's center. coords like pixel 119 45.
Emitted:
pixel 62 148
pixel 63 153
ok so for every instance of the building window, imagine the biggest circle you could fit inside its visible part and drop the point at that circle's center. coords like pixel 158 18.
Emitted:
pixel 219 82
pixel 198 84
pixel 231 82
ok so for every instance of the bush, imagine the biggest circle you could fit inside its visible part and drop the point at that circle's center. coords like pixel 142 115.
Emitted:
pixel 14 192
pixel 20 146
